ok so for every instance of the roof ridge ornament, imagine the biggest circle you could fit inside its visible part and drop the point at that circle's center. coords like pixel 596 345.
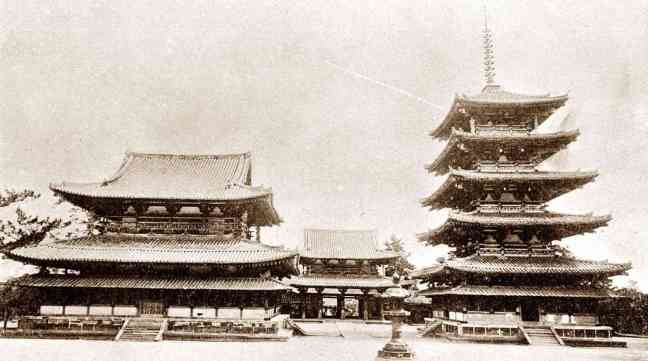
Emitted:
pixel 489 54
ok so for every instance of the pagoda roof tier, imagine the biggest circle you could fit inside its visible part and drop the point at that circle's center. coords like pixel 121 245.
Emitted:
pixel 343 244
pixel 492 265
pixel 176 249
pixel 210 179
pixel 464 148
pixel 520 291
pixel 493 97
pixel 462 187
pixel 340 282
pixel 158 283
pixel 554 225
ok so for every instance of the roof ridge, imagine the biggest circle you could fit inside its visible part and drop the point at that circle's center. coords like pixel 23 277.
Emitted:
pixel 577 173
pixel 188 156
pixel 462 133
pixel 340 230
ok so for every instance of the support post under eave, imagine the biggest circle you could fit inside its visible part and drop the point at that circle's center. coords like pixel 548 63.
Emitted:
pixel 320 302
pixel 341 303
pixel 303 292
pixel 365 304
pixel 381 306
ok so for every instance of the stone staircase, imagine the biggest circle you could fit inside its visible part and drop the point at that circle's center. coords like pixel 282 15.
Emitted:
pixel 142 329
pixel 540 336
pixel 430 329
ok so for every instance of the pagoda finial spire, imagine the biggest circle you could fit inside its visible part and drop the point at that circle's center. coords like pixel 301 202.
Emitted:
pixel 489 52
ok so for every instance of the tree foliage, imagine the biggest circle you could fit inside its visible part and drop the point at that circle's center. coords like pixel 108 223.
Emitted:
pixel 15 300
pixel 28 219
pixel 402 265
pixel 628 314
pixel 9 197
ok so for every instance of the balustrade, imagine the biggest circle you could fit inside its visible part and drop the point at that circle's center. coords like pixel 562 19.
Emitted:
pixel 511 208
pixel 506 166
pixel 501 129
pixel 219 227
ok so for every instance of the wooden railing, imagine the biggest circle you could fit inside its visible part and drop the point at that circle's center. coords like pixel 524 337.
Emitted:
pixel 121 330
pixel 519 250
pixel 511 208
pixel 163 327
pixel 501 129
pixel 175 227
pixel 509 167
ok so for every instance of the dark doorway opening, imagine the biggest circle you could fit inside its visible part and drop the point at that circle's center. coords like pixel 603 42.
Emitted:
pixel 530 311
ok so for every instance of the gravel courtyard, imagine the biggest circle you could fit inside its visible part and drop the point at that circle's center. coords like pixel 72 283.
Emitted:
pixel 301 349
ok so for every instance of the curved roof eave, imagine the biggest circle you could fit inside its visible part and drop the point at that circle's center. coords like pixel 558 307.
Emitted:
pixel 59 189
pixel 443 130
pixel 530 176
pixel 504 98
pixel 549 219
pixel 433 200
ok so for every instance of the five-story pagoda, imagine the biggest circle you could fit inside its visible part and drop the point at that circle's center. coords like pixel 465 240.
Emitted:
pixel 505 268
pixel 180 237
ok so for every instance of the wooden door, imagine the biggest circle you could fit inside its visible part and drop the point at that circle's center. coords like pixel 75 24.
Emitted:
pixel 152 308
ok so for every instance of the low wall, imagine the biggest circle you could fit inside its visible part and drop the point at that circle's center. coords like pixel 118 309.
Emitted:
pixel 60 334
pixel 589 319
pixel 474 332
pixel 225 313
pixel 486 318
pixel 84 310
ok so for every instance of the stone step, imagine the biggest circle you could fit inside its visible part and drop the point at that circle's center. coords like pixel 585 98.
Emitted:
pixel 140 332
pixel 541 336
pixel 145 330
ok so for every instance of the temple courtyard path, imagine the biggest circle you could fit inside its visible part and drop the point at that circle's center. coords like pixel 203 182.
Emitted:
pixel 313 348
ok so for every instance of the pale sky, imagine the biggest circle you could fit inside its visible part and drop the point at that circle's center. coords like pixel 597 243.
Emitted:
pixel 82 82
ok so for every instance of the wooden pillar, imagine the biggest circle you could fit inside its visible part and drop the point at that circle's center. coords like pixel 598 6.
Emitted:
pixel 304 293
pixel 320 302
pixel 341 303
pixel 275 299
pixel 380 305
pixel 365 304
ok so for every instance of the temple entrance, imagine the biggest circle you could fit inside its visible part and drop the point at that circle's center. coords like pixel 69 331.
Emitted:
pixel 530 311
pixel 351 308
pixel 329 307
pixel 152 308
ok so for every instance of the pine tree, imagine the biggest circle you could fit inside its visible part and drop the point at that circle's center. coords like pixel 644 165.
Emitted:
pixel 24 221
pixel 402 264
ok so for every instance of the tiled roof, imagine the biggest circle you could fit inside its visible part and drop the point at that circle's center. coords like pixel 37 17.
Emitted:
pixel 525 176
pixel 342 244
pixel 548 143
pixel 175 249
pixel 525 265
pixel 176 283
pixel 171 176
pixel 340 282
pixel 560 225
pixel 546 218
pixel 553 184
pixel 421 273
pixel 494 94
pixel 520 291
pixel 418 300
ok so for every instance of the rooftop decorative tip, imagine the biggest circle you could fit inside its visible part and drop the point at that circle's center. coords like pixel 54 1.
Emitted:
pixel 489 54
